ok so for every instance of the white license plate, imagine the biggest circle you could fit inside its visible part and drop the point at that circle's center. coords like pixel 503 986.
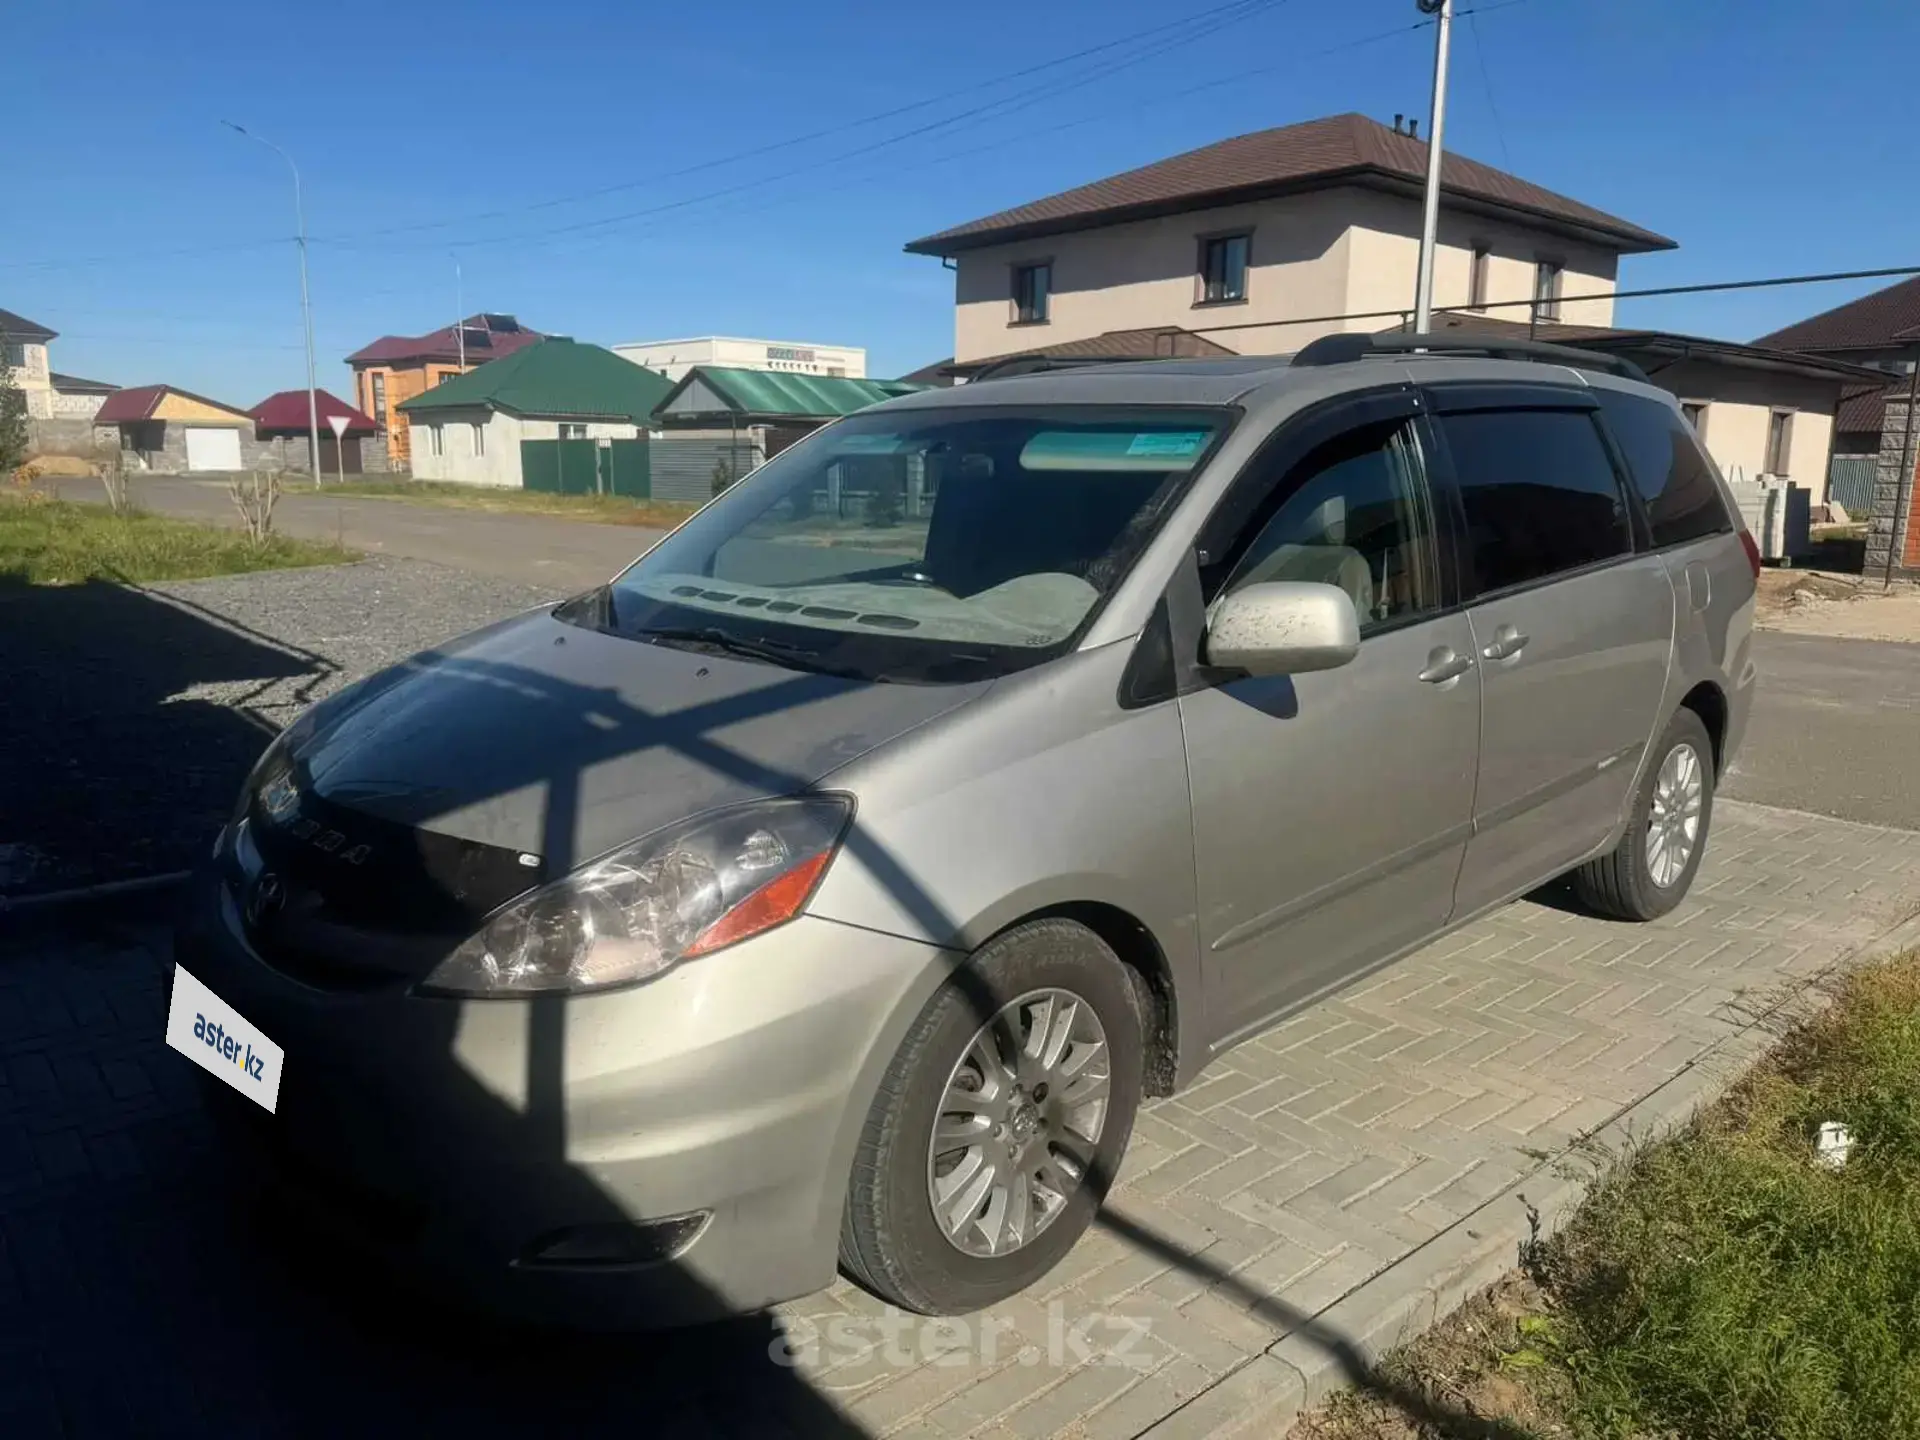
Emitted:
pixel 217 1038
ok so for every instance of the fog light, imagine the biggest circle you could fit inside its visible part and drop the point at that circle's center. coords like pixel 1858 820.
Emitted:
pixel 631 1243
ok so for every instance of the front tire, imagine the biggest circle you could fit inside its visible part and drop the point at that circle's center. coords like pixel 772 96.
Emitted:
pixel 1000 1124
pixel 1652 868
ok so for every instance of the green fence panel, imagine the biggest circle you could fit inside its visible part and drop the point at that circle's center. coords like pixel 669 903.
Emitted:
pixel 630 469
pixel 540 466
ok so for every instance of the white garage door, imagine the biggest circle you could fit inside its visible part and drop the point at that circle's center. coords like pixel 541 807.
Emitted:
pixel 213 449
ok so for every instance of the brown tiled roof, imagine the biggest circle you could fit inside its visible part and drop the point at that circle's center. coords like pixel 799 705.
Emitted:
pixel 1862 411
pixel 1339 150
pixel 1164 342
pixel 1884 318
pixel 1666 344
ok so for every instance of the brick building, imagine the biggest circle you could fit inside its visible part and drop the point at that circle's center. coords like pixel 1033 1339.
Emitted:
pixel 398 367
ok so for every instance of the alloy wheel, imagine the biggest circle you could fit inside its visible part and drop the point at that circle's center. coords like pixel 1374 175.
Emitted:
pixel 1673 825
pixel 1019 1123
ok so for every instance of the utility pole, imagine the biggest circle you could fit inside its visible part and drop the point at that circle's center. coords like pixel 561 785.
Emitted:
pixel 1436 135
pixel 306 302
pixel 460 318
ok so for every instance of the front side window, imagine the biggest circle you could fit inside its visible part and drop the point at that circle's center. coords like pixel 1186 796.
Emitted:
pixel 1355 514
pixel 1032 290
pixel 924 545
pixel 1779 441
pixel 1223 268
pixel 1547 278
pixel 1675 480
pixel 1539 494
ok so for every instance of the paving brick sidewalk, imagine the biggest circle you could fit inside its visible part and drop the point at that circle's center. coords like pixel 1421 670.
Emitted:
pixel 1382 1140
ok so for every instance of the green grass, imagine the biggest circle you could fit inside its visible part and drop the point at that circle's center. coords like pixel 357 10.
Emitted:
pixel 1724 1284
pixel 56 542
pixel 602 509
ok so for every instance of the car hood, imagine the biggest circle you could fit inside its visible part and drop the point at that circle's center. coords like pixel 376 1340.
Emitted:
pixel 562 742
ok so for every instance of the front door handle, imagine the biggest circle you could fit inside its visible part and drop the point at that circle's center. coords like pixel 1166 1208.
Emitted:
pixel 1444 663
pixel 1506 643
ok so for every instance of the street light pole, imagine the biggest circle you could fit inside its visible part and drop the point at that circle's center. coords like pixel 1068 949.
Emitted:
pixel 1436 134
pixel 306 301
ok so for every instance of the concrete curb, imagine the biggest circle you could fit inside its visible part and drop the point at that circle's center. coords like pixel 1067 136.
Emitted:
pixel 1427 1285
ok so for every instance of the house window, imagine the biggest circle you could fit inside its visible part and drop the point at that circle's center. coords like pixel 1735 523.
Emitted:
pixel 573 432
pixel 1223 268
pixel 1477 277
pixel 379 379
pixel 436 439
pixel 1032 286
pixel 1696 413
pixel 1779 441
pixel 16 353
pixel 479 439
pixel 1547 276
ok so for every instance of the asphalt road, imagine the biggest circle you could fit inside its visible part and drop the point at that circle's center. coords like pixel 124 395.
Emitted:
pixel 1835 730
pixel 563 555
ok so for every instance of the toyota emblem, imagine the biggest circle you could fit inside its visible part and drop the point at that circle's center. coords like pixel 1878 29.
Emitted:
pixel 266 899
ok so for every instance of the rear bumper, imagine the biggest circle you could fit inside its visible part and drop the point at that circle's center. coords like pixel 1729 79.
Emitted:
pixel 451 1136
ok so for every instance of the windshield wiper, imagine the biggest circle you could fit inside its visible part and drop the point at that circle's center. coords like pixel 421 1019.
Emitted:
pixel 772 652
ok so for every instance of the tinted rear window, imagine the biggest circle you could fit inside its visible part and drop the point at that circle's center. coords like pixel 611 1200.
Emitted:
pixel 1539 492
pixel 1673 477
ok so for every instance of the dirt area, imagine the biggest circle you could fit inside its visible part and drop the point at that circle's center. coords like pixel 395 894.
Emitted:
pixel 1839 605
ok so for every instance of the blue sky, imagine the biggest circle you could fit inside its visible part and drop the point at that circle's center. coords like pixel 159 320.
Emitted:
pixel 1765 136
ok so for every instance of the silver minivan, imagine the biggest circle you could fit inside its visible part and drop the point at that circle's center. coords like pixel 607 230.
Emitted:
pixel 830 889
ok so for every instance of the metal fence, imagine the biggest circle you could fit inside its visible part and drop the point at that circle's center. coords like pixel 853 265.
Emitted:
pixel 587 467
pixel 1850 483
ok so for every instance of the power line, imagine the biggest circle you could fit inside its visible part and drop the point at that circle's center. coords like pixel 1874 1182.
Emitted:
pixel 1006 105
pixel 133 258
pixel 1717 287
pixel 1230 13
pixel 1486 85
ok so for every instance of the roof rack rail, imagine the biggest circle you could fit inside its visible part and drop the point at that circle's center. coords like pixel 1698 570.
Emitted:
pixel 1342 348
pixel 1040 364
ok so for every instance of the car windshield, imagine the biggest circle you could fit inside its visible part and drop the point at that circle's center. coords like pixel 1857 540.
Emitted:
pixel 923 545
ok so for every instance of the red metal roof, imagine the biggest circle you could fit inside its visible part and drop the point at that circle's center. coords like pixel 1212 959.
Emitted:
pixel 488 338
pixel 138 403
pixel 1316 154
pixel 286 411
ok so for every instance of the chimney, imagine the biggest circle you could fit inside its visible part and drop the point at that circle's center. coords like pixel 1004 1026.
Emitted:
pixel 1413 128
pixel 1398 121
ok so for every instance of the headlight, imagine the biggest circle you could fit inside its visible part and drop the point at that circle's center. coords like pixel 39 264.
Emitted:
pixel 688 890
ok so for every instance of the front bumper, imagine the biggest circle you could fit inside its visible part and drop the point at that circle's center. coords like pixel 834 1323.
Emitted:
pixel 451 1136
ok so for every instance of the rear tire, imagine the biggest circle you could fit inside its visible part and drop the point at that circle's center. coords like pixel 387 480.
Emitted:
pixel 1652 868
pixel 893 1239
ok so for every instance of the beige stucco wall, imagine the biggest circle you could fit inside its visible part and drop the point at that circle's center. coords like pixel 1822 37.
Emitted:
pixel 1386 257
pixel 1738 405
pixel 1335 252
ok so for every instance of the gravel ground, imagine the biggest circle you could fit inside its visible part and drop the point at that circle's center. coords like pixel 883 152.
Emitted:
pixel 130 715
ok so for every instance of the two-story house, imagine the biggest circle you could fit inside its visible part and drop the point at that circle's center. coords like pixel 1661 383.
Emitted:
pixel 1266 241
pixel 50 395
pixel 398 367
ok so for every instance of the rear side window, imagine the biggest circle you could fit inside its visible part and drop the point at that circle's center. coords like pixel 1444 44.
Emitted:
pixel 1539 493
pixel 1674 479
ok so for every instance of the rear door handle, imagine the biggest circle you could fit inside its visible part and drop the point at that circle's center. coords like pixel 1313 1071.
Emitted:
pixel 1506 643
pixel 1444 663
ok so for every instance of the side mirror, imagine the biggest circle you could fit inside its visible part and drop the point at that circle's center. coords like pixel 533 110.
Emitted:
pixel 1283 627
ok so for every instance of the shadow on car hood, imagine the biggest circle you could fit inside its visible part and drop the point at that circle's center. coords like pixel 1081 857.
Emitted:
pixel 563 742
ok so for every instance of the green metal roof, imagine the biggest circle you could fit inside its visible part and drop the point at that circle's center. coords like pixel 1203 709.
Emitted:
pixel 773 395
pixel 554 377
